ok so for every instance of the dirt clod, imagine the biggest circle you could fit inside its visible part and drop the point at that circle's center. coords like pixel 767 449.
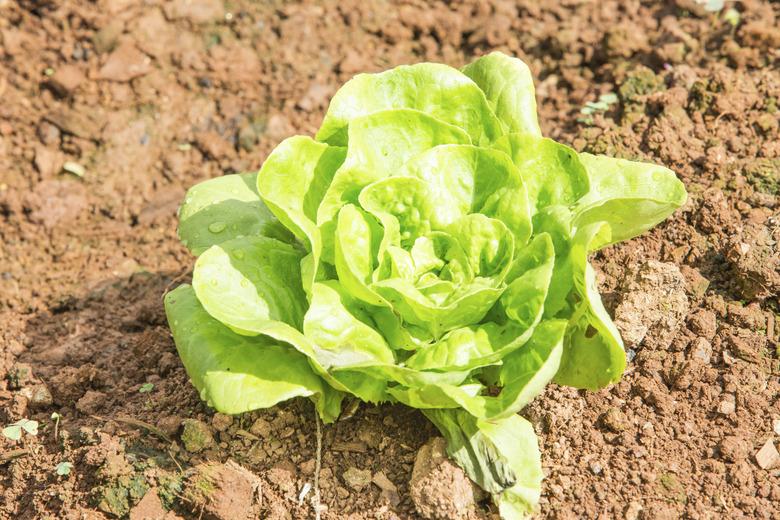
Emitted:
pixel 357 479
pixel 223 491
pixel 439 488
pixel 196 435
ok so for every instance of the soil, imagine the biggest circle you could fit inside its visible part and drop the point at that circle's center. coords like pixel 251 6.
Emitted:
pixel 112 108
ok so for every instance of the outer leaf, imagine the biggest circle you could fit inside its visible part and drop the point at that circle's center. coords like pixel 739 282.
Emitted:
pixel 438 90
pixel 293 181
pixel 224 208
pixel 247 281
pixel 336 322
pixel 631 196
pixel 501 456
pixel 593 355
pixel 509 87
pixel 552 172
pixel 465 179
pixel 235 373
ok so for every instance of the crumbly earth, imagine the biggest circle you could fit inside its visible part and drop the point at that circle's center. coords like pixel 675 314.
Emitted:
pixel 112 108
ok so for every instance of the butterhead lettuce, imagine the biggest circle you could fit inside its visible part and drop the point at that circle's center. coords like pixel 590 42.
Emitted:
pixel 427 247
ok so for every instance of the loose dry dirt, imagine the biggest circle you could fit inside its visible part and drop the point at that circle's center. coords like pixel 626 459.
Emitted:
pixel 144 99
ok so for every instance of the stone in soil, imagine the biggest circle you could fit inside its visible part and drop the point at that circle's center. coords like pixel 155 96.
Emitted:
pixel 125 63
pixel 223 491
pixel 66 79
pixel 357 479
pixel 440 490
pixel 768 457
pixel 652 305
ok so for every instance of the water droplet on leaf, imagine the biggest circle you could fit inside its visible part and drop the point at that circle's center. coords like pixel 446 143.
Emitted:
pixel 217 227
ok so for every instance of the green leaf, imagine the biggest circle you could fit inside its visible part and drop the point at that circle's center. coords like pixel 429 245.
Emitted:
pixel 146 388
pixel 379 144
pixel 236 373
pixel 593 355
pixel 224 208
pixel 358 238
pixel 248 281
pixel 406 199
pixel 12 432
pixel 337 323
pixel 464 179
pixel 439 91
pixel 502 456
pixel 630 196
pixel 63 468
pixel 509 87
pixel 552 172
pixel 486 344
pixel 292 183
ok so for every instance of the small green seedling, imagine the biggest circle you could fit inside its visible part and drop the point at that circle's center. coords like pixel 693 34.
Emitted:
pixel 63 468
pixel 732 16
pixel 592 107
pixel 74 168
pixel 146 388
pixel 56 418
pixel 14 431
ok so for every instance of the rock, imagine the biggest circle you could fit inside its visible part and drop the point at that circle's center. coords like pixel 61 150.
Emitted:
pixel 196 435
pixel 169 425
pixel 76 122
pixel 106 38
pixel 90 402
pixel 261 428
pixel 632 511
pixel 125 63
pixel 768 457
pixel 389 491
pixel 196 11
pixel 223 491
pixel 652 305
pixel 615 420
pixel 221 422
pixel 701 350
pixel 38 396
pixel 439 489
pixel 727 406
pixel 48 162
pixel 733 448
pixel 49 134
pixel 755 255
pixel 357 479
pixel 66 79
pixel 776 426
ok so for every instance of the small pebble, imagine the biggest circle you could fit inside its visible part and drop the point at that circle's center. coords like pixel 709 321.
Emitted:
pixel 768 457
pixel 357 479
pixel 596 468
pixel 726 407
pixel 776 426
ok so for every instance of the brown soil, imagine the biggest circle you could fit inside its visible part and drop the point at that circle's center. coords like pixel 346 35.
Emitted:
pixel 152 97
